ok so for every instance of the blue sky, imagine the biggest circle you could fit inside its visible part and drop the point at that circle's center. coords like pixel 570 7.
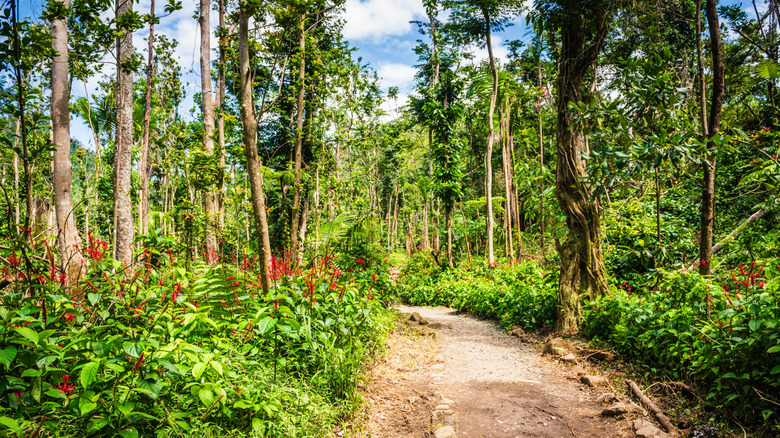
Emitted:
pixel 379 29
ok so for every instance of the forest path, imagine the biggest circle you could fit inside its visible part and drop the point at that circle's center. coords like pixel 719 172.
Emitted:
pixel 483 382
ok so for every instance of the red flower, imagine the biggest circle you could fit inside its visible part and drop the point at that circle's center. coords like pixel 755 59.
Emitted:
pixel 69 316
pixel 66 386
pixel 373 277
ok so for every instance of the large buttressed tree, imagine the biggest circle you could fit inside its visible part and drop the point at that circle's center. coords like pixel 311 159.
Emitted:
pixel 583 27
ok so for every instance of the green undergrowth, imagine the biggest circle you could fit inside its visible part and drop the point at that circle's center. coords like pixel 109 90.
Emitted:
pixel 722 336
pixel 159 350
pixel 516 294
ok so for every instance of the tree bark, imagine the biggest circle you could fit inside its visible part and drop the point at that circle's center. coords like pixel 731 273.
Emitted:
pixel 713 126
pixel 296 204
pixel 123 160
pixel 490 138
pixel 583 274
pixel 250 144
pixel 143 207
pixel 220 201
pixel 208 122
pixel 71 258
pixel 541 157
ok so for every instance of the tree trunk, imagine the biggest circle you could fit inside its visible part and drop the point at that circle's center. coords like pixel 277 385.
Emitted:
pixel 208 122
pixel 296 204
pixel 255 176
pixel 71 259
pixel 541 157
pixel 123 159
pixel 448 225
pixel 583 274
pixel 490 138
pixel 718 92
pixel 143 206
pixel 221 126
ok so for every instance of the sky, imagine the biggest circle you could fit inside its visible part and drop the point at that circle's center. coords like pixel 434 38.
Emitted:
pixel 380 30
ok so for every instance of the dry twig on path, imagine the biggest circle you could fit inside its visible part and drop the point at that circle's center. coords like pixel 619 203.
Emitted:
pixel 662 418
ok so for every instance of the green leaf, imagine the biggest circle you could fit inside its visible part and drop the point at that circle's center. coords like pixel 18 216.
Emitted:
pixel 266 324
pixel 28 334
pixel 96 425
pixel 89 373
pixel 775 370
pixel 133 349
pixel 86 406
pixel 7 356
pixel 774 349
pixel 130 432
pixel 126 408
pixel 206 397
pixel 258 426
pixel 754 324
pixel 217 367
pixel 198 370
pixel 37 389
pixel 93 298
pixel 11 424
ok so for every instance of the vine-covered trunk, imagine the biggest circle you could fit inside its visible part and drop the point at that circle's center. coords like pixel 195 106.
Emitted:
pixel 713 126
pixel 583 274
pixel 220 201
pixel 254 170
pixel 208 124
pixel 71 259
pixel 123 160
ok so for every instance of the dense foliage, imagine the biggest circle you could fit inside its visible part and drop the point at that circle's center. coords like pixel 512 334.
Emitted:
pixel 166 350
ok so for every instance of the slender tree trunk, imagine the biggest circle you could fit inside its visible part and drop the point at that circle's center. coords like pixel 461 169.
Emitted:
pixel 221 125
pixel 143 207
pixel 541 159
pixel 510 205
pixel 296 204
pixel 208 122
pixel 255 176
pixel 71 259
pixel 424 238
pixel 583 274
pixel 123 160
pixel 491 135
pixel 16 177
pixel 700 64
pixel 718 92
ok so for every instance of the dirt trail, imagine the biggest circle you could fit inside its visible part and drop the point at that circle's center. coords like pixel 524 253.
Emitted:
pixel 492 384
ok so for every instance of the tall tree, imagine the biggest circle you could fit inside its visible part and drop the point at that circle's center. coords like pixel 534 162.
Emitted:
pixel 298 160
pixel 143 206
pixel 71 259
pixel 254 166
pixel 713 126
pixel 583 27
pixel 123 209
pixel 208 120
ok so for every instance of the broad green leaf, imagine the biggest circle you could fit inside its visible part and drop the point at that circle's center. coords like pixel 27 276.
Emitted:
pixel 89 373
pixel 28 334
pixel 126 408
pixel 775 370
pixel 86 406
pixel 133 349
pixel 36 389
pixel 198 370
pixel 10 423
pixel 217 367
pixel 258 426
pixel 7 356
pixel 206 397
pixel 774 349
pixel 266 324
pixel 130 432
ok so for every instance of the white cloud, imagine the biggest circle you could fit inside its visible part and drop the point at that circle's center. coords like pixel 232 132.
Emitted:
pixel 396 75
pixel 480 54
pixel 376 19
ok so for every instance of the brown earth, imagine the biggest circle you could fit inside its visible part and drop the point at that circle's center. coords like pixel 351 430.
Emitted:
pixel 495 386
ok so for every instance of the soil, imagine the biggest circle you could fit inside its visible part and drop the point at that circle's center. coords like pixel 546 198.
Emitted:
pixel 483 382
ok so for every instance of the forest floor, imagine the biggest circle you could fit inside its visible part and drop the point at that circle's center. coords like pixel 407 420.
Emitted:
pixel 457 375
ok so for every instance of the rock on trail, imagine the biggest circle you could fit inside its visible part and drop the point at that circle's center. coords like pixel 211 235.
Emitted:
pixel 498 387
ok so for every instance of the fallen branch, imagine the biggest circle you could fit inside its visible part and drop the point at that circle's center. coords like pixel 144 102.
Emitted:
pixel 754 217
pixel 675 385
pixel 663 419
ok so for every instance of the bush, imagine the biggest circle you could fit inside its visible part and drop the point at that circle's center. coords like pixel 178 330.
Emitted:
pixel 162 351
pixel 515 294
pixel 725 338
